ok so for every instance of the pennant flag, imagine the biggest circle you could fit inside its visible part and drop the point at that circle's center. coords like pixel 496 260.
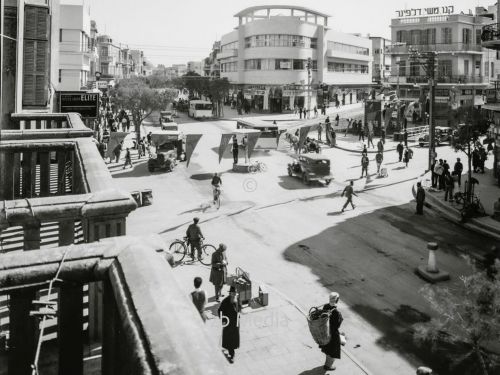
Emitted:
pixel 224 141
pixel 304 131
pixel 252 140
pixel 191 142
pixel 115 138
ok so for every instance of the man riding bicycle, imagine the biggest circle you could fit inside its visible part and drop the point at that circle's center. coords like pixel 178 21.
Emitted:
pixel 194 235
pixel 216 183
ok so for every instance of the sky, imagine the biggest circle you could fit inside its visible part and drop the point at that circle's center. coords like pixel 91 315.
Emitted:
pixel 178 31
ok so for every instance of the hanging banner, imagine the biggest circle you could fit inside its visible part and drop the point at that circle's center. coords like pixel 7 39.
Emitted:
pixel 191 142
pixel 304 131
pixel 224 141
pixel 115 138
pixel 252 140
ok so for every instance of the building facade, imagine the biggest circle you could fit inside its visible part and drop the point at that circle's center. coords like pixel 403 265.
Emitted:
pixel 28 69
pixel 464 69
pixel 382 62
pixel 197 67
pixel 278 56
pixel 75 47
pixel 137 62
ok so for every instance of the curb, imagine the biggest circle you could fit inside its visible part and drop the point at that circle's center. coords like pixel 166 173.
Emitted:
pixel 453 215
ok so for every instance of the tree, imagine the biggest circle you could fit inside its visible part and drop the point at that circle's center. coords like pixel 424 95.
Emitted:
pixel 468 317
pixel 219 89
pixel 135 95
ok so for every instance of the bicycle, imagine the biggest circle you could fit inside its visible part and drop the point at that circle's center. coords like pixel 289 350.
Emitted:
pixel 179 249
pixel 217 192
pixel 257 166
pixel 472 209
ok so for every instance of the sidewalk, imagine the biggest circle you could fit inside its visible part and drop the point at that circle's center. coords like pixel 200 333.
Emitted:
pixel 488 192
pixel 274 339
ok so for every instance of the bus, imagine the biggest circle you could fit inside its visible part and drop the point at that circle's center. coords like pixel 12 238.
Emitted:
pixel 200 109
pixel 268 132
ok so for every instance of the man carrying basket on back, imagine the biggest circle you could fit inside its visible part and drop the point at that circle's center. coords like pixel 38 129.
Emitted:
pixel 324 325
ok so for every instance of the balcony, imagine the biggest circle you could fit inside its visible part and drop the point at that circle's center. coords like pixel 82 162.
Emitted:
pixel 436 19
pixel 227 54
pixel 404 49
pixel 459 80
pixel 490 36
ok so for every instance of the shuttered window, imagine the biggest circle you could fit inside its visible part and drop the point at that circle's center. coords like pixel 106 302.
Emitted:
pixel 36 56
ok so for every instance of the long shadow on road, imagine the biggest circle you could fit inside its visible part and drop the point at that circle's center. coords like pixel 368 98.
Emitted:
pixel 370 260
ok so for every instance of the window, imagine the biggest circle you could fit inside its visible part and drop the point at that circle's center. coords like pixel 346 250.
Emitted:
pixel 446 35
pixel 444 68
pixel 486 69
pixel 428 36
pixel 283 64
pixel 402 36
pixel 402 68
pixel 415 37
pixel 414 69
pixel 467 36
pixel 299 64
pixel 347 68
pixel 253 64
pixel 36 56
pixel 492 71
pixel 280 40
pixel 347 48
pixel 466 67
pixel 478 36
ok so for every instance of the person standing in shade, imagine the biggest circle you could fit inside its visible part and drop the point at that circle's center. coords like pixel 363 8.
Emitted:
pixel 235 150
pixel 218 272
pixel 449 185
pixel 199 297
pixel 400 148
pixel 458 169
pixel 332 349
pixel 420 199
pixel 229 313
pixel 349 192
pixel 194 235
pixel 379 158
pixel 364 165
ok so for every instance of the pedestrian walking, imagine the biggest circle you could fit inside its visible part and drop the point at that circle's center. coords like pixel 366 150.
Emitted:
pixel 235 149
pixel 337 120
pixel 439 170
pixel 449 184
pixel 320 129
pixel 199 297
pixel 400 148
pixel 364 165
pixel 361 131
pixel 332 349
pixel 300 113
pixel 458 168
pixel 229 313
pixel 349 192
pixel 117 151
pixel 195 236
pixel 408 154
pixel 420 199
pixel 128 159
pixel 370 138
pixel 315 111
pixel 218 272
pixel 380 146
pixel 379 158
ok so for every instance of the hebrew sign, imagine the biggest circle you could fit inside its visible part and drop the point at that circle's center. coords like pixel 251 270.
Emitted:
pixel 431 11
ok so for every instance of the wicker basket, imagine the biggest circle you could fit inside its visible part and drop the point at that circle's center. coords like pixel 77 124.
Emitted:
pixel 319 325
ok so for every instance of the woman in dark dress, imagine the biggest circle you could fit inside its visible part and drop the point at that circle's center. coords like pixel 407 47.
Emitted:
pixel 332 349
pixel 229 312
pixel 218 272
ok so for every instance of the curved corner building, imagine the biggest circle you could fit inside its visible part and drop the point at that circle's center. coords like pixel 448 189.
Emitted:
pixel 266 59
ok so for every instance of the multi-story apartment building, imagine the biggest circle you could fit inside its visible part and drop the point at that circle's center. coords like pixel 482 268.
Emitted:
pixel 137 62
pixel 29 54
pixel 110 61
pixel 464 68
pixel 381 65
pixel 212 66
pixel 278 56
pixel 75 47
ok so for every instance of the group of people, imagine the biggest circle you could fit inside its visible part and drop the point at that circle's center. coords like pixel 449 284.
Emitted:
pixel 479 157
pixel 405 153
pixel 443 178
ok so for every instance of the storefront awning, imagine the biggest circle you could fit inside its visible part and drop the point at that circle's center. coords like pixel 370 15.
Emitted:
pixel 492 107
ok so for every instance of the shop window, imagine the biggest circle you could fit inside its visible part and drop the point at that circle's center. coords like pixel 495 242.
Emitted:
pixel 299 64
pixel 283 64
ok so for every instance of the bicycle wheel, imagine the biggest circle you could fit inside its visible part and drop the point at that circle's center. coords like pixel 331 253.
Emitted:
pixel 263 167
pixel 178 250
pixel 217 201
pixel 206 254
pixel 252 168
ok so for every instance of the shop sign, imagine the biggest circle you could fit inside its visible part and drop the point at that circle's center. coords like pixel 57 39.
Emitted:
pixel 86 104
pixel 431 11
pixel 285 65
pixel 259 92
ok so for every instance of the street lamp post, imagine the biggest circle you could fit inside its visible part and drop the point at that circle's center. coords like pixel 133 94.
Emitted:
pixel 309 66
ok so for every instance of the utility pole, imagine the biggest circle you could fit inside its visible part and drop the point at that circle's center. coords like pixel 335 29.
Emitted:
pixel 309 66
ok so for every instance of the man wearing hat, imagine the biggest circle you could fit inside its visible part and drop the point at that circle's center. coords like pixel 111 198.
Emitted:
pixel 218 273
pixel 332 349
pixel 193 233
pixel 229 312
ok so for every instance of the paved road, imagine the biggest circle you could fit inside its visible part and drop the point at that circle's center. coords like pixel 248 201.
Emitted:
pixel 294 238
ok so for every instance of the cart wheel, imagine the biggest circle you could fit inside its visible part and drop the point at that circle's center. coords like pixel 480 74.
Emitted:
pixel 206 254
pixel 290 172
pixel 178 250
pixel 327 182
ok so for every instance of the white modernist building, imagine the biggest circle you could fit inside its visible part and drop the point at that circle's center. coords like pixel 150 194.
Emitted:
pixel 75 50
pixel 277 52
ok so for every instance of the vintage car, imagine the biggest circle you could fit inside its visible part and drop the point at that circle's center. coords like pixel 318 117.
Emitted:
pixel 310 167
pixel 443 134
pixel 168 149
pixel 167 121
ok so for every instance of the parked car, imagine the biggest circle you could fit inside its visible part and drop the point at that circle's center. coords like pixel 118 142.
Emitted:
pixel 167 121
pixel 168 149
pixel 442 134
pixel 310 167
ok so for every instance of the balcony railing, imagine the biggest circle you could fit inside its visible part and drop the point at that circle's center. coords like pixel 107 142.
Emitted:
pixel 437 47
pixel 460 79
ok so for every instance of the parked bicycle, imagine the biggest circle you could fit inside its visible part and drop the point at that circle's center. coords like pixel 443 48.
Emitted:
pixel 180 248
pixel 257 166
pixel 472 209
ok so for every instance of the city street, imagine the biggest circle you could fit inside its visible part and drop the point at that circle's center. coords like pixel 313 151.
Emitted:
pixel 295 239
